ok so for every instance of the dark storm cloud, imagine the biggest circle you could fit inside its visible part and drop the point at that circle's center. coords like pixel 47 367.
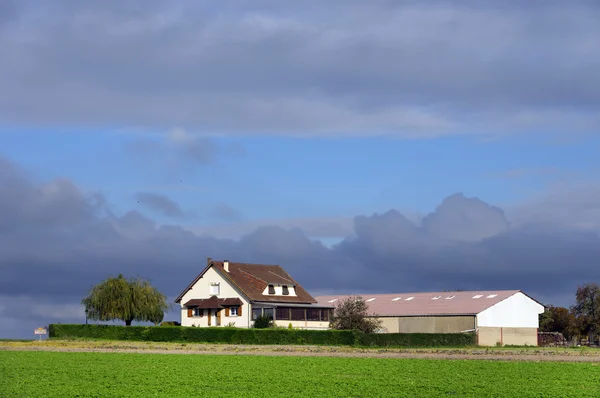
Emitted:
pixel 417 68
pixel 56 242
pixel 159 203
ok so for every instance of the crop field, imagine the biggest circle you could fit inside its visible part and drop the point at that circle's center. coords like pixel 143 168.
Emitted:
pixel 83 374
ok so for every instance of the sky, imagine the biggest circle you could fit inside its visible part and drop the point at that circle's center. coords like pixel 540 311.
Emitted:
pixel 367 148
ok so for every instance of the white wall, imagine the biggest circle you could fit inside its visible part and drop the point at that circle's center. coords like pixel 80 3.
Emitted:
pixel 279 291
pixel 315 325
pixel 201 290
pixel 517 311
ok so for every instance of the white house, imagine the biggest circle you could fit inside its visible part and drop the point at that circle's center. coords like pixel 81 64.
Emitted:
pixel 234 294
pixel 507 317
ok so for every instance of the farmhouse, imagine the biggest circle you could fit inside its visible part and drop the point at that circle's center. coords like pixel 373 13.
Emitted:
pixel 234 294
pixel 508 317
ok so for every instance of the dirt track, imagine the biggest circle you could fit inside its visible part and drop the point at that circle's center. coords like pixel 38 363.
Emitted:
pixel 497 354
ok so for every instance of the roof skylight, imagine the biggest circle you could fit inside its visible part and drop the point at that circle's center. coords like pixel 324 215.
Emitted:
pixel 397 298
pixel 478 296
pixel 371 299
pixel 436 297
pixel 491 296
pixel 450 297
pixel 333 301
pixel 409 298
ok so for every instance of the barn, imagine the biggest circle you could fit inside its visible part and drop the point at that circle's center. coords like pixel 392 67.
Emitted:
pixel 507 317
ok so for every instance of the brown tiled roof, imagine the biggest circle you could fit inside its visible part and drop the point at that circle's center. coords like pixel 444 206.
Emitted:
pixel 214 302
pixel 253 279
pixel 424 304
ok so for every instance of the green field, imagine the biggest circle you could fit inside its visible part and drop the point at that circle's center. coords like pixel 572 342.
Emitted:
pixel 59 374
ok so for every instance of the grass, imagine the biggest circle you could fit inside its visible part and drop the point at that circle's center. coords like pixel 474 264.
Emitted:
pixel 61 374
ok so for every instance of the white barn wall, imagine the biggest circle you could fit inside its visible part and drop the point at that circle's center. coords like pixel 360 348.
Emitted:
pixel 201 290
pixel 517 311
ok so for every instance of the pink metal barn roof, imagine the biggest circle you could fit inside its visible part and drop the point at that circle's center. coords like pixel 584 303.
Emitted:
pixel 427 304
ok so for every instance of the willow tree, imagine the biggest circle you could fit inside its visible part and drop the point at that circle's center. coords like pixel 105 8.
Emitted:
pixel 128 300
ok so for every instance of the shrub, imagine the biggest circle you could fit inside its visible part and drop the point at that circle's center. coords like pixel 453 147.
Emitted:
pixel 352 314
pixel 263 322
pixel 418 339
pixel 259 336
pixel 170 323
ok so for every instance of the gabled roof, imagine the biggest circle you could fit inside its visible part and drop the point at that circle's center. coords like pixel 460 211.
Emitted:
pixel 253 279
pixel 427 304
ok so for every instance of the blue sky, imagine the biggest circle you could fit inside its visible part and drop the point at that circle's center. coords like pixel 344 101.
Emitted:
pixel 279 177
pixel 141 137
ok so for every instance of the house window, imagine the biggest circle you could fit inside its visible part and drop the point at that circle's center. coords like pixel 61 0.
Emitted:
pixel 282 314
pixel 214 288
pixel 271 289
pixel 233 311
pixel 298 314
pixel 312 314
pixel 198 311
pixel 286 292
pixel 268 312
pixel 256 312
pixel 325 315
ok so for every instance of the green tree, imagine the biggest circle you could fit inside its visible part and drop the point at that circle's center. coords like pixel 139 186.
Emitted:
pixel 558 319
pixel 587 310
pixel 132 299
pixel 352 314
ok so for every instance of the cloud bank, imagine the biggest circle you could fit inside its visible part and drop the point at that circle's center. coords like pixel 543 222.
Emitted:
pixel 409 69
pixel 56 241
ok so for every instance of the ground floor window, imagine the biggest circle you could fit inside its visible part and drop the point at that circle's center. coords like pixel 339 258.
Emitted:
pixel 198 311
pixel 233 311
pixel 268 312
pixel 293 314
pixel 312 315
pixel 282 314
pixel 256 312
pixel 298 314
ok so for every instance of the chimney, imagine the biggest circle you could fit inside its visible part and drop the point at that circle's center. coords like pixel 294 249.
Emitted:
pixel 208 260
pixel 226 265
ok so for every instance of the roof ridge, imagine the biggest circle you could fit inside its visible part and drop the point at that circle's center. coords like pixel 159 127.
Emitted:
pixel 422 293
pixel 252 264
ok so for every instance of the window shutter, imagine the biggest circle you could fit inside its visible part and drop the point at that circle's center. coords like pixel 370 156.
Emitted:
pixel 227 311
pixel 201 312
pixel 190 313
pixel 240 310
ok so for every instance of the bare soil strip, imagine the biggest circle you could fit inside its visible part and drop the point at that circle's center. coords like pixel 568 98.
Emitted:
pixel 495 354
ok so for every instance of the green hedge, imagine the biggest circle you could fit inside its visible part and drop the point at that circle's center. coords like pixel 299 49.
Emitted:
pixel 259 336
pixel 205 335
pixel 418 340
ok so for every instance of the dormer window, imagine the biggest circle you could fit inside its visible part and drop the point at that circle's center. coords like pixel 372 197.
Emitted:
pixel 271 289
pixel 285 290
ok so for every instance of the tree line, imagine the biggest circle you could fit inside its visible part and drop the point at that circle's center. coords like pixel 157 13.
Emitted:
pixel 580 320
